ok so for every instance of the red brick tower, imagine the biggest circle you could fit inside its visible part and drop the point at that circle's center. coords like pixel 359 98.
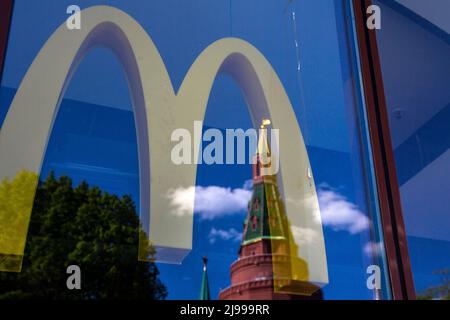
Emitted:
pixel 265 254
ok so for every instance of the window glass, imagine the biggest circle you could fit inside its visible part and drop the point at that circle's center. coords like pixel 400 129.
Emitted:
pixel 299 54
pixel 414 49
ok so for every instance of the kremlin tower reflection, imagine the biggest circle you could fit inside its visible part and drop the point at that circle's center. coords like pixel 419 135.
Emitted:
pixel 267 254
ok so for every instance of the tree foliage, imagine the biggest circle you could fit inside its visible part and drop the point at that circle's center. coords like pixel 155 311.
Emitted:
pixel 441 291
pixel 82 226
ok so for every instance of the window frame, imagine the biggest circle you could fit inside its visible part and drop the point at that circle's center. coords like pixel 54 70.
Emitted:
pixel 6 9
pixel 393 226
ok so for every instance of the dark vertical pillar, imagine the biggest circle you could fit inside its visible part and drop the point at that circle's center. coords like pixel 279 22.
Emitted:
pixel 5 22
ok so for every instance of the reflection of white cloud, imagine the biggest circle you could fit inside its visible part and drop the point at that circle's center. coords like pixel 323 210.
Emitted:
pixel 340 214
pixel 248 184
pixel 210 202
pixel 374 249
pixel 303 235
pixel 230 234
pixel 182 200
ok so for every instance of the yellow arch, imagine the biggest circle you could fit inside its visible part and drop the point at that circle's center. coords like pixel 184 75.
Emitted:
pixel 159 111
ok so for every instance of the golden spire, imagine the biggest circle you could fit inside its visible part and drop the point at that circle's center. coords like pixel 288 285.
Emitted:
pixel 264 123
pixel 263 145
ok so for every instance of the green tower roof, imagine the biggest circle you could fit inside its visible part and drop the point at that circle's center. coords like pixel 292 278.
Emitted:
pixel 265 217
pixel 204 290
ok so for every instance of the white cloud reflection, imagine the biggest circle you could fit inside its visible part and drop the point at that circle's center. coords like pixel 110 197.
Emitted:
pixel 221 234
pixel 340 214
pixel 211 202
pixel 303 236
pixel 374 249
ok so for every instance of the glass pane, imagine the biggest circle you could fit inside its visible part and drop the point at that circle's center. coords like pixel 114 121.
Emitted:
pixel 141 93
pixel 414 46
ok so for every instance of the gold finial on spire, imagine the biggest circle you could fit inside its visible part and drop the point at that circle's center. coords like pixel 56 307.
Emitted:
pixel 264 123
pixel 263 145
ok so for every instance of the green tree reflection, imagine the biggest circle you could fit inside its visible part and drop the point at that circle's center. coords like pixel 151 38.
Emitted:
pixel 441 291
pixel 80 226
